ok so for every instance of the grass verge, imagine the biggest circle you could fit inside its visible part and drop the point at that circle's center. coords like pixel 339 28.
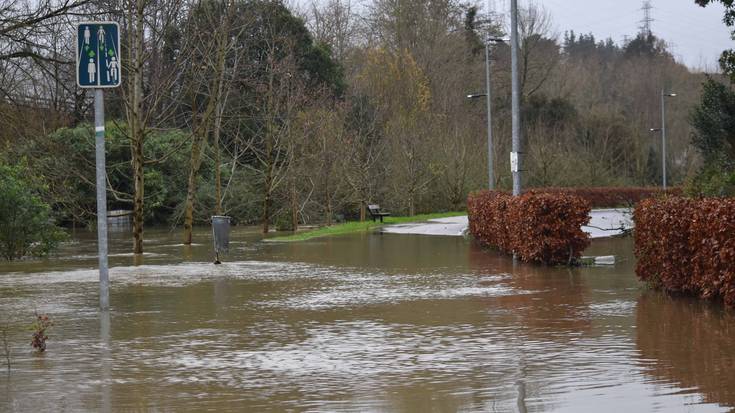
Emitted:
pixel 355 227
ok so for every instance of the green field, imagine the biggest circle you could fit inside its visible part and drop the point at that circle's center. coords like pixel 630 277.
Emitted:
pixel 354 227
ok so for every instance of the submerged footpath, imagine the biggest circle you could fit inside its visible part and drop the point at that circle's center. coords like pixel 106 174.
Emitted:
pixel 603 223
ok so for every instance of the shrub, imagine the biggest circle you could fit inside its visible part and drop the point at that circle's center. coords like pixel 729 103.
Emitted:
pixel 26 227
pixel 609 197
pixel 714 180
pixel 662 242
pixel 284 222
pixel 39 327
pixel 687 246
pixel 541 227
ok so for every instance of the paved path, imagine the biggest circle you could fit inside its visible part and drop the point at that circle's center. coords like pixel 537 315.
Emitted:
pixel 453 226
pixel 603 223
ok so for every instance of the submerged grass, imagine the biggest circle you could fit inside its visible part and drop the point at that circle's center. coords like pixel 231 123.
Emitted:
pixel 356 226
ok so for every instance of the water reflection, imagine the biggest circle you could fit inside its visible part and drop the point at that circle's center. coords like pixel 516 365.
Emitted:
pixel 555 301
pixel 688 344
pixel 105 361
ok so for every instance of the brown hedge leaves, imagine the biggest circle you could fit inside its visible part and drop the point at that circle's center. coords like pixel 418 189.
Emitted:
pixel 611 197
pixel 541 227
pixel 687 246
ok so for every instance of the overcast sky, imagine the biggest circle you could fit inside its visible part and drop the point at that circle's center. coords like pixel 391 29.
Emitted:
pixel 697 35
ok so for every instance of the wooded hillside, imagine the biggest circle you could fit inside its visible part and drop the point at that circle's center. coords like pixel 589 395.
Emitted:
pixel 282 117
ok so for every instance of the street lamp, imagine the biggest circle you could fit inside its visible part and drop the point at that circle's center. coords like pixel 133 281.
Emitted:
pixel 664 95
pixel 488 96
pixel 515 155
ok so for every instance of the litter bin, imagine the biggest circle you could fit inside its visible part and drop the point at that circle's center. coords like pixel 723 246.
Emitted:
pixel 221 235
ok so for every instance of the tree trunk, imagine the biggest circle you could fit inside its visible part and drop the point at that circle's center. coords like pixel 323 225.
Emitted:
pixel 266 213
pixel 219 110
pixel 217 168
pixel 363 211
pixel 137 128
pixel 294 208
pixel 138 195
pixel 268 164
pixel 267 185
pixel 327 199
pixel 195 163
pixel 199 138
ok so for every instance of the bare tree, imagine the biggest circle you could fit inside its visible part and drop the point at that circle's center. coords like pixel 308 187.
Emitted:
pixel 147 85
pixel 334 23
pixel 539 51
pixel 211 40
pixel 26 26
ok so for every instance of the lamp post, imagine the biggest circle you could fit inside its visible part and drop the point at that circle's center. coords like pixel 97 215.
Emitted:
pixel 664 95
pixel 488 96
pixel 515 156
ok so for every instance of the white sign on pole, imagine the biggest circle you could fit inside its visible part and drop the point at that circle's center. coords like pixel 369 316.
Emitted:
pixel 514 161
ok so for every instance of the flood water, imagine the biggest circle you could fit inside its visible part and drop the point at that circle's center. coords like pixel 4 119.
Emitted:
pixel 368 322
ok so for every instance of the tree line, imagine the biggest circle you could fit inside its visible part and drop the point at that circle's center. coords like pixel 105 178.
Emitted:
pixel 281 116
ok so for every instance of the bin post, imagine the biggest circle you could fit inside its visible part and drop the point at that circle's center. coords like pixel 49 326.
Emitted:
pixel 220 235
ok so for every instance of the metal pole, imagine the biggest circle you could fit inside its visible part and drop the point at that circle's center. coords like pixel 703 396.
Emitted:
pixel 99 134
pixel 490 160
pixel 663 135
pixel 516 97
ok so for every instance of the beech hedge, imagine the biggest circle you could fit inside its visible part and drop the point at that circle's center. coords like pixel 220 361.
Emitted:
pixel 541 227
pixel 609 197
pixel 687 246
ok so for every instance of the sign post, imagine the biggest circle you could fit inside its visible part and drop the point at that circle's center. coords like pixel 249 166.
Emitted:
pixel 98 67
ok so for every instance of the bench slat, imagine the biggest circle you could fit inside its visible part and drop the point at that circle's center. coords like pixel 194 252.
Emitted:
pixel 375 212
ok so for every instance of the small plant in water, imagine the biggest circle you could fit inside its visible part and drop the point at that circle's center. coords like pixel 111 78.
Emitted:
pixel 6 345
pixel 42 323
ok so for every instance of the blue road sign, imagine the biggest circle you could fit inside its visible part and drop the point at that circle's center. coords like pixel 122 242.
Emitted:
pixel 98 55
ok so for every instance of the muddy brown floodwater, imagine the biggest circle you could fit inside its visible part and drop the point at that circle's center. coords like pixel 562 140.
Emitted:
pixel 369 322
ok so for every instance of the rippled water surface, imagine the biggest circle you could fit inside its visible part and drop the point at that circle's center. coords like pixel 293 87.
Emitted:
pixel 368 322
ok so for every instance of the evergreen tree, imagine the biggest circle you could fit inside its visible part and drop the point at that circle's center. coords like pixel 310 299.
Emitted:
pixel 714 124
pixel 714 136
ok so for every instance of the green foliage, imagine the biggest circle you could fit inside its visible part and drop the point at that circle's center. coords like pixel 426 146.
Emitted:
pixel 284 222
pixel 585 46
pixel 71 181
pixel 714 137
pixel 556 112
pixel 26 225
pixel 318 61
pixel 713 121
pixel 280 34
pixel 646 45
pixel 712 181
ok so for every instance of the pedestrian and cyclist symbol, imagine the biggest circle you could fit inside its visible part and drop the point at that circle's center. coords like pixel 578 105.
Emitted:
pixel 98 54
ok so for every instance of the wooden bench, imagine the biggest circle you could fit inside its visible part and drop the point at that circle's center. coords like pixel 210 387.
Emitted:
pixel 376 212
